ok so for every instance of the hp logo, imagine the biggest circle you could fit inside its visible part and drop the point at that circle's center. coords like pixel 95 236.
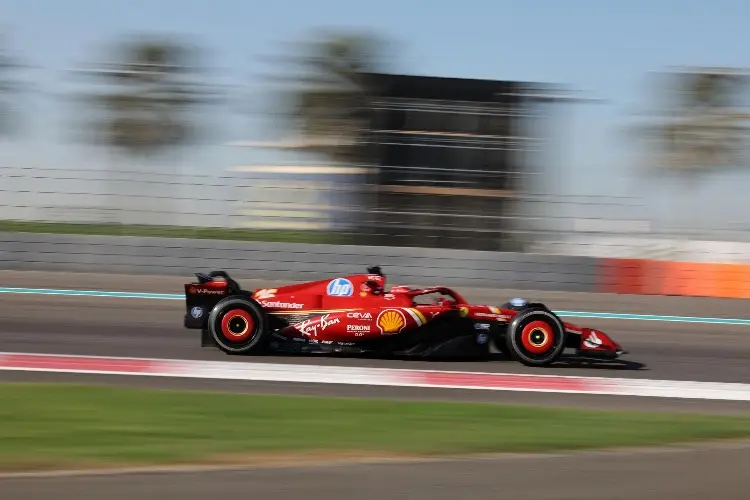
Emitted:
pixel 340 287
pixel 196 312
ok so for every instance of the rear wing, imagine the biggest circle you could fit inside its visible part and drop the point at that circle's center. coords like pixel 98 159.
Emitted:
pixel 217 277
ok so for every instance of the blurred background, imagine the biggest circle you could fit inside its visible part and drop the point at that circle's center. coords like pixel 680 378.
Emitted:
pixel 596 128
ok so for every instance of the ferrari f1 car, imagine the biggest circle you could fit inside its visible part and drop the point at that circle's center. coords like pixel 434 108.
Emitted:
pixel 357 315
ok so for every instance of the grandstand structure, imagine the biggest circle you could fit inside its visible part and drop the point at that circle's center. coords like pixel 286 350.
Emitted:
pixel 454 159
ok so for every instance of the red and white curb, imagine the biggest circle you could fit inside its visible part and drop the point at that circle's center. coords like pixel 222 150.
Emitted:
pixel 270 372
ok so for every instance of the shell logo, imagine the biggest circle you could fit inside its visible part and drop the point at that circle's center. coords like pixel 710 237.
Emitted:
pixel 391 321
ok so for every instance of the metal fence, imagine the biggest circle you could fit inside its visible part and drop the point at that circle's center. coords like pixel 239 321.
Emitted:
pixel 333 200
pixel 302 198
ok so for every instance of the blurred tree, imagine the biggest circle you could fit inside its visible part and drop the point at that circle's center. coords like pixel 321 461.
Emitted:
pixel 704 121
pixel 151 93
pixel 329 101
pixel 147 107
pixel 9 89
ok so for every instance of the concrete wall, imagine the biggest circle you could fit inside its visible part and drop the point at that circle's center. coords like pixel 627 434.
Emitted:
pixel 183 257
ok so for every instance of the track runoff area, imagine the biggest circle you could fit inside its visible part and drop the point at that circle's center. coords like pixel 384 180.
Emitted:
pixel 368 376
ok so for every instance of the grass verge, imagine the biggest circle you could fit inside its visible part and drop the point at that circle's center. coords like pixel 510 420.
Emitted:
pixel 54 426
pixel 217 233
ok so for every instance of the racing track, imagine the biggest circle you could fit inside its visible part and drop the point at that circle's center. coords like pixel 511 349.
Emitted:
pixel 152 328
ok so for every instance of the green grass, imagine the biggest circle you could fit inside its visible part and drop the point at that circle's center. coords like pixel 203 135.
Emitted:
pixel 216 233
pixel 47 426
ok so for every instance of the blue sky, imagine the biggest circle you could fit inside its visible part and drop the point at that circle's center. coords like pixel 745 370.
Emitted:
pixel 603 47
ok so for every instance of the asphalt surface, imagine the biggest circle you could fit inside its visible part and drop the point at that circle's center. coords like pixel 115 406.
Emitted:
pixel 654 475
pixel 153 328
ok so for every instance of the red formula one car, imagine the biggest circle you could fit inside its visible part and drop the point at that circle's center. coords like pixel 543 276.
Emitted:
pixel 357 315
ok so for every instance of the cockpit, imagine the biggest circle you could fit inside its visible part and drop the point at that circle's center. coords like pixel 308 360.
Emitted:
pixel 435 296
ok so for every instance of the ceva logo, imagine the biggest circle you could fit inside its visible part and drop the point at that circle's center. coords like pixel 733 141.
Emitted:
pixel 340 287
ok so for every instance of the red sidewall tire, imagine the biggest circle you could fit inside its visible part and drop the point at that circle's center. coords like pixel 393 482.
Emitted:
pixel 238 325
pixel 536 337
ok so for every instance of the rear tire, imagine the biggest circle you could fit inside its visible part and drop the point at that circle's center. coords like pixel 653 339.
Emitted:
pixel 238 325
pixel 535 337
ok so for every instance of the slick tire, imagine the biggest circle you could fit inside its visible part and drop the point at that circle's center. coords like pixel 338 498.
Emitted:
pixel 535 337
pixel 238 325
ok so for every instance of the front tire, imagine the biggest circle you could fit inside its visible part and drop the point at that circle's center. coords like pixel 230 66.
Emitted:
pixel 238 325
pixel 535 337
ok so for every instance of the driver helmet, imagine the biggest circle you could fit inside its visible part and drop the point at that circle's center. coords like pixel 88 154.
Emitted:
pixel 375 284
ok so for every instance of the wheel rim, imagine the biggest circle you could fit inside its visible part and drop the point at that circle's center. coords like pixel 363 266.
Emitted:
pixel 237 325
pixel 538 337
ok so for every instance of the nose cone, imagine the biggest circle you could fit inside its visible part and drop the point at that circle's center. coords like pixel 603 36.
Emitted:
pixel 596 344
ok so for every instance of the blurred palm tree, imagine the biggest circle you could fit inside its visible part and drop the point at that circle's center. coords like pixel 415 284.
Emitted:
pixel 704 123
pixel 151 93
pixel 153 87
pixel 329 102
pixel 9 90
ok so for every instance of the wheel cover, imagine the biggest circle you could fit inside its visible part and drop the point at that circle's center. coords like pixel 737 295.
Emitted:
pixel 237 325
pixel 538 337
